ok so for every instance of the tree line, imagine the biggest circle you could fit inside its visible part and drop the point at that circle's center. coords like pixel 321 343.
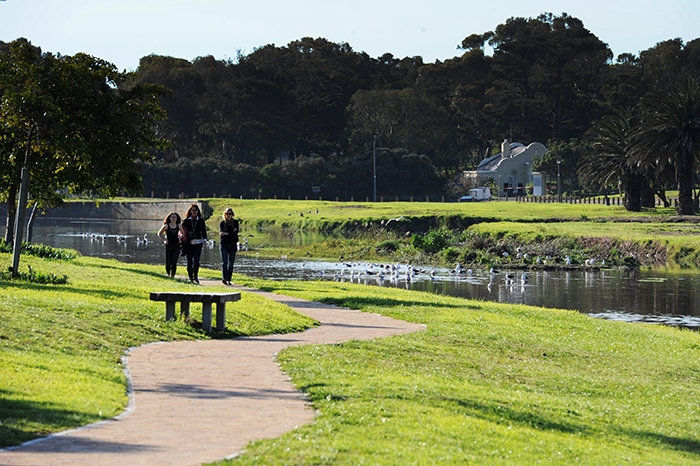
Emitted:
pixel 286 119
pixel 316 118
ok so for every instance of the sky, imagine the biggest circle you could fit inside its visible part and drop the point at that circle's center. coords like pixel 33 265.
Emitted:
pixel 123 31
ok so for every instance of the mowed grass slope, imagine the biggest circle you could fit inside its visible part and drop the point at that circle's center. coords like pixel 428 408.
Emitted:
pixel 61 345
pixel 489 383
pixel 281 213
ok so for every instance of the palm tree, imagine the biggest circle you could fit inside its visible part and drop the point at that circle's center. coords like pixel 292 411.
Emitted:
pixel 670 134
pixel 609 162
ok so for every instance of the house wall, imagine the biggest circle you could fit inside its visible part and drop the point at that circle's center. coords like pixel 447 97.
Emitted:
pixel 517 168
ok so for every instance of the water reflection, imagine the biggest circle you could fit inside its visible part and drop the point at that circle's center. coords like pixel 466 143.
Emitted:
pixel 629 295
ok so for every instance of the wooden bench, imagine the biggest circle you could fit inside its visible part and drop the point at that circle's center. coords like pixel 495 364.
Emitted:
pixel 207 299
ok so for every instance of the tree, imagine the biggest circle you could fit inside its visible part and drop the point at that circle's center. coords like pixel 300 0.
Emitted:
pixel 75 122
pixel 609 161
pixel 670 134
pixel 546 70
pixel 563 158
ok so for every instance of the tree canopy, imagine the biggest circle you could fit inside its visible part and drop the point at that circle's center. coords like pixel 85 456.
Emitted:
pixel 75 122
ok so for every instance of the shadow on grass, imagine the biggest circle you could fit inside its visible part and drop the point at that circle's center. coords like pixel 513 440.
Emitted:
pixel 497 412
pixel 361 302
pixel 15 413
pixel 676 443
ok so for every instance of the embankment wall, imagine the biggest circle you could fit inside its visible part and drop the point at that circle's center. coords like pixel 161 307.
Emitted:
pixel 136 210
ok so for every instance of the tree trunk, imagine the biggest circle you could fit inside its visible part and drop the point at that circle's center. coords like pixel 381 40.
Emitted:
pixel 11 214
pixel 684 178
pixel 30 223
pixel 647 195
pixel 633 192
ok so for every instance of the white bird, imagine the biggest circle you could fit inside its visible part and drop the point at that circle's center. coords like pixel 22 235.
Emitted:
pixel 505 254
pixel 523 279
pixel 539 261
pixel 568 260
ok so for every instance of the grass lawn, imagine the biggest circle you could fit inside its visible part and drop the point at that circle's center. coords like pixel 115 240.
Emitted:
pixel 283 213
pixel 490 383
pixel 61 345
pixel 673 234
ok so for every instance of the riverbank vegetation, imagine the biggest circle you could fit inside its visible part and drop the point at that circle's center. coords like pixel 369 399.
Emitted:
pixel 61 344
pixel 480 234
pixel 488 383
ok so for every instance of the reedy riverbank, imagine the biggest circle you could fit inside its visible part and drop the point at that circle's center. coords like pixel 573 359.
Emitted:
pixel 479 234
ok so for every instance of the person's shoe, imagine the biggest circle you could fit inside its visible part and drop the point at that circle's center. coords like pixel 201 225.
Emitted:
pixel 224 282
pixel 228 282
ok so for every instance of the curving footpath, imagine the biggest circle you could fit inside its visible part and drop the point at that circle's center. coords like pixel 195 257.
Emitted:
pixel 196 402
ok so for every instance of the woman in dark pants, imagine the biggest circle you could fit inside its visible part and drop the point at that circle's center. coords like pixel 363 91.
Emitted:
pixel 170 233
pixel 196 236
pixel 228 245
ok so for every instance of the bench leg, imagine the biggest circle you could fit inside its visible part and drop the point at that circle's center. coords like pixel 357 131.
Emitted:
pixel 169 311
pixel 185 309
pixel 206 317
pixel 221 316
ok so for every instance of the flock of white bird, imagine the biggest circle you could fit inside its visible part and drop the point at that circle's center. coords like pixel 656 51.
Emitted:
pixel 397 272
pixel 143 240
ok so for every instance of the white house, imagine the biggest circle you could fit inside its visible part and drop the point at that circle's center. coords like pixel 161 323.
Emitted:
pixel 511 170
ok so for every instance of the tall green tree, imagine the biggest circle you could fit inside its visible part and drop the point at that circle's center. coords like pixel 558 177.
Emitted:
pixel 547 70
pixel 609 162
pixel 670 134
pixel 75 122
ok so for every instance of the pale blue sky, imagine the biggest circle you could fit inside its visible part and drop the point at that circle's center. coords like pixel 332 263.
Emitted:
pixel 123 31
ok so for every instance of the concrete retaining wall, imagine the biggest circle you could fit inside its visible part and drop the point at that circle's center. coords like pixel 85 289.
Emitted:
pixel 143 210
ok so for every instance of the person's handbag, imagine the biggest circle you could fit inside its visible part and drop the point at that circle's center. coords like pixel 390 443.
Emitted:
pixel 184 244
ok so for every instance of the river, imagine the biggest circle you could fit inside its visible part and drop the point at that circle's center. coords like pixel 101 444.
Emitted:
pixel 632 295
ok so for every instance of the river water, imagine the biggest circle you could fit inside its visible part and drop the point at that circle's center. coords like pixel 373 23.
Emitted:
pixel 650 296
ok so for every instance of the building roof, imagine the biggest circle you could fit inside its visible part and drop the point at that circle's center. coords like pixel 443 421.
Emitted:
pixel 491 163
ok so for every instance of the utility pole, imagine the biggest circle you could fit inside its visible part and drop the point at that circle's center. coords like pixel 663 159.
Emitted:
pixel 558 180
pixel 374 164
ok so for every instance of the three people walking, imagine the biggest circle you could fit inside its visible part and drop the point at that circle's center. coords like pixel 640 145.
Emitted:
pixel 187 237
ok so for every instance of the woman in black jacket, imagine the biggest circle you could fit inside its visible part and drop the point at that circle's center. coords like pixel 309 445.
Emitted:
pixel 228 245
pixel 196 236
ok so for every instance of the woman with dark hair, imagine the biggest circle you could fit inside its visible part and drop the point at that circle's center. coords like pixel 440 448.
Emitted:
pixel 228 245
pixel 196 235
pixel 170 233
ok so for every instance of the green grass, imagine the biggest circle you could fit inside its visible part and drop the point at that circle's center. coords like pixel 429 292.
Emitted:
pixel 60 345
pixel 490 383
pixel 285 214
pixel 675 234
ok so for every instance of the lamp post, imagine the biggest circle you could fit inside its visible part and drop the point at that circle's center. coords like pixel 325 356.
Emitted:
pixel 374 165
pixel 558 180
pixel 528 169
